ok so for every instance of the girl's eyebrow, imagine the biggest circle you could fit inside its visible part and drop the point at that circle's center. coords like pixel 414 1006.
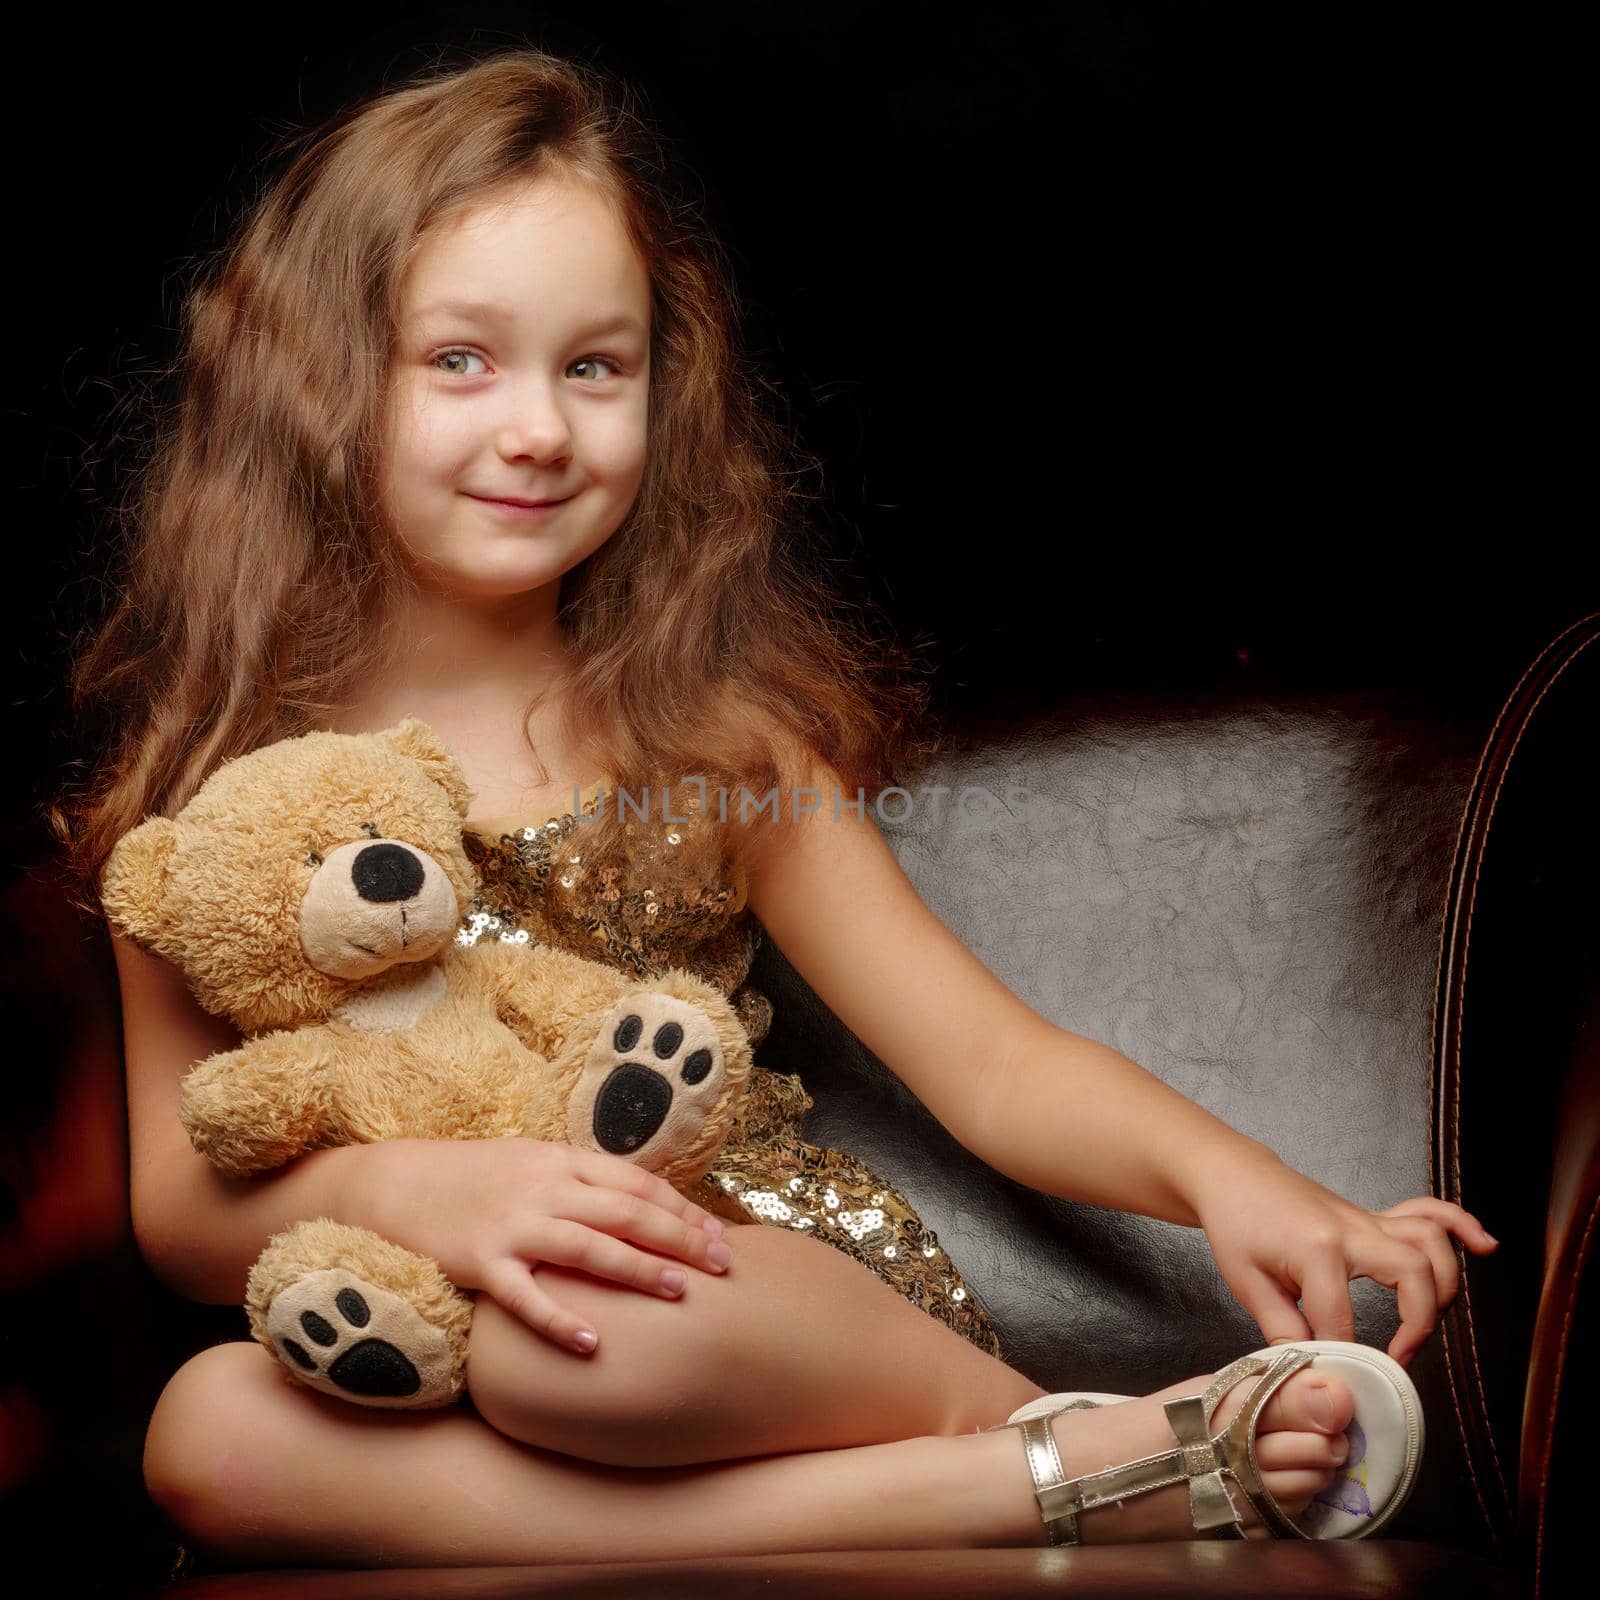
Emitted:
pixel 487 311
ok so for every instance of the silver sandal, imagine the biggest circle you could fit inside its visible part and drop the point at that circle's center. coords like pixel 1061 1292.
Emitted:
pixel 1385 1432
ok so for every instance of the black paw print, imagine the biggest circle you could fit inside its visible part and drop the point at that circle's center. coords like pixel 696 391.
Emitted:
pixel 368 1366
pixel 635 1098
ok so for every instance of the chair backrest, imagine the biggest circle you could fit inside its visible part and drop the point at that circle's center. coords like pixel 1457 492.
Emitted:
pixel 1268 897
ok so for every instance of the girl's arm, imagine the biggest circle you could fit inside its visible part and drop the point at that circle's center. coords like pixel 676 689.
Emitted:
pixel 199 1231
pixel 486 1210
pixel 1067 1115
pixel 1049 1108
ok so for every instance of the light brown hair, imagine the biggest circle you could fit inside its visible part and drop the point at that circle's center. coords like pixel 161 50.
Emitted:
pixel 254 568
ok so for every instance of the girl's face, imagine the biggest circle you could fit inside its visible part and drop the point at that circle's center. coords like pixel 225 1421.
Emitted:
pixel 521 373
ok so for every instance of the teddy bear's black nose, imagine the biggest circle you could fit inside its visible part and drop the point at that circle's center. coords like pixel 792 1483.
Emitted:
pixel 385 872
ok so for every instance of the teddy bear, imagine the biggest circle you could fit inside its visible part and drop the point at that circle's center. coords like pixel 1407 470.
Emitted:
pixel 312 892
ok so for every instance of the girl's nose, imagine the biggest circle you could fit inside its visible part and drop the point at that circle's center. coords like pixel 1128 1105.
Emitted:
pixel 542 444
pixel 536 426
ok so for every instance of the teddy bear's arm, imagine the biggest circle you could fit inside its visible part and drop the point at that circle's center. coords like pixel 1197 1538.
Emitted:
pixel 543 993
pixel 254 1108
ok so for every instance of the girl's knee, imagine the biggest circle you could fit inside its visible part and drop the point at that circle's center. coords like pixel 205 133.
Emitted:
pixel 525 1385
pixel 207 1437
pixel 597 1407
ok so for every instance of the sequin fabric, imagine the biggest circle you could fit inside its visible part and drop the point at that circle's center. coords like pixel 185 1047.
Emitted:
pixel 644 894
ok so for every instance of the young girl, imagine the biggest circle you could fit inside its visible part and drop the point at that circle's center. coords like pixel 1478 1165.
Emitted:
pixel 463 433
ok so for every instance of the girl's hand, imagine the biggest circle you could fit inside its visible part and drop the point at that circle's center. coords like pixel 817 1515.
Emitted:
pixel 489 1210
pixel 1279 1237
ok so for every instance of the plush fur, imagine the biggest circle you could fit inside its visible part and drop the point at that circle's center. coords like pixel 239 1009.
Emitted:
pixel 311 892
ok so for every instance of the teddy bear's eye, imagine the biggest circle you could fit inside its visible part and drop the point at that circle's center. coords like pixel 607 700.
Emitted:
pixel 370 829
pixel 313 859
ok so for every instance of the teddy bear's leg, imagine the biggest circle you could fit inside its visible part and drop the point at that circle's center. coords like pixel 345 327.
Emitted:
pixel 351 1314
pixel 649 1070
pixel 655 1076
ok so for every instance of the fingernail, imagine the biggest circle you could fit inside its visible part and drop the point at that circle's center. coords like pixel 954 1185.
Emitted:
pixel 713 1226
pixel 719 1255
pixel 1341 1447
pixel 1322 1407
pixel 586 1340
pixel 1490 1237
pixel 673 1281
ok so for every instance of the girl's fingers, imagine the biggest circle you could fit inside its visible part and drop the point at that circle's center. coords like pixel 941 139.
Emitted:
pixel 565 1243
pixel 1452 1218
pixel 611 1172
pixel 1409 1272
pixel 1271 1304
pixel 1432 1240
pixel 512 1283
pixel 626 1216
pixel 1325 1295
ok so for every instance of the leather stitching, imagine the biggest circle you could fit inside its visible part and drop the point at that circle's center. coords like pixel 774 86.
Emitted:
pixel 1555 1394
pixel 1452 1129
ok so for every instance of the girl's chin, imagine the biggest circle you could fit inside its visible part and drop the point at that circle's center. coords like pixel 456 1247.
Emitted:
pixel 491 580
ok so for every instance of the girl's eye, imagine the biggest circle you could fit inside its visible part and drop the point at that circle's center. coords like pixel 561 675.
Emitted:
pixel 589 361
pixel 468 355
pixel 444 355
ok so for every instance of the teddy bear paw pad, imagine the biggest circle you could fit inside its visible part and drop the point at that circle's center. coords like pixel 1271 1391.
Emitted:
pixel 651 1078
pixel 343 1335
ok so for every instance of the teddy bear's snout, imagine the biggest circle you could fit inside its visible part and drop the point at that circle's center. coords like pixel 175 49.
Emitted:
pixel 374 903
pixel 383 872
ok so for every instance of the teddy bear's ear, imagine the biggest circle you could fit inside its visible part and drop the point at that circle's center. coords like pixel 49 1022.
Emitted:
pixel 133 887
pixel 416 739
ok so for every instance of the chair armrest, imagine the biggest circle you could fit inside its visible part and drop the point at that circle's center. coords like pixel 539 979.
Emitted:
pixel 1562 1388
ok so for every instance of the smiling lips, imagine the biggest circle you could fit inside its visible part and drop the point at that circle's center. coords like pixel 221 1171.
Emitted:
pixel 511 503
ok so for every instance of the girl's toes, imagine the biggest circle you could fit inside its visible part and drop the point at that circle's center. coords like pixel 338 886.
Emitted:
pixel 1301 1452
pixel 1293 1491
pixel 1312 1401
pixel 1297 1466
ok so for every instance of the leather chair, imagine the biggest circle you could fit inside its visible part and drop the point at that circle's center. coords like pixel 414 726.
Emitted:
pixel 1355 924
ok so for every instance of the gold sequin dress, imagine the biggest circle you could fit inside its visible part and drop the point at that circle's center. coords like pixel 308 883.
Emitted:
pixel 644 894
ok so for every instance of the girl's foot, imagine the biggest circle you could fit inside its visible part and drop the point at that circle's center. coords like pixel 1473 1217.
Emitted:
pixel 1300 1444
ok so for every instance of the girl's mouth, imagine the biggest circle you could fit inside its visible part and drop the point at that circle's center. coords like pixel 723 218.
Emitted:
pixel 510 508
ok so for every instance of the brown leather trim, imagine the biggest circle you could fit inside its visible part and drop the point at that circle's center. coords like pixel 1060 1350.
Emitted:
pixel 1463 1369
pixel 1574 1219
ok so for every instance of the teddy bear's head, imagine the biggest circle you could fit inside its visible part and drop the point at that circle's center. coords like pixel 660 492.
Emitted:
pixel 300 871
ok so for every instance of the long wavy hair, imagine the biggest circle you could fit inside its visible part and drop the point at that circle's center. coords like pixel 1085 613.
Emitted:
pixel 253 569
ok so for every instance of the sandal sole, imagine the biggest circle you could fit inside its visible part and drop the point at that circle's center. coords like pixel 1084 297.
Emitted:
pixel 1386 1433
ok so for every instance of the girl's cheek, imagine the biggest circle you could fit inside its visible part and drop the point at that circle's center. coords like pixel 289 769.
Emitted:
pixel 620 451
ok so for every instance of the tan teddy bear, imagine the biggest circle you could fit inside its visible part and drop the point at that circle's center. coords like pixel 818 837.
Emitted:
pixel 312 892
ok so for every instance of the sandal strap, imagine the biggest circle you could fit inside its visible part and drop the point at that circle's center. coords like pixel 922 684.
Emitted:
pixel 1057 1505
pixel 1200 1459
pixel 1238 1442
pixel 1232 1449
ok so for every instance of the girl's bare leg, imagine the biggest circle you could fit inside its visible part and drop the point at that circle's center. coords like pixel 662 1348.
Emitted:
pixel 797 1343
pixel 253 1467
pixel 795 1347
pixel 798 1348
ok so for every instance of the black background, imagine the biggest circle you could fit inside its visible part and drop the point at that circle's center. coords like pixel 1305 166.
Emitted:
pixel 1137 340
